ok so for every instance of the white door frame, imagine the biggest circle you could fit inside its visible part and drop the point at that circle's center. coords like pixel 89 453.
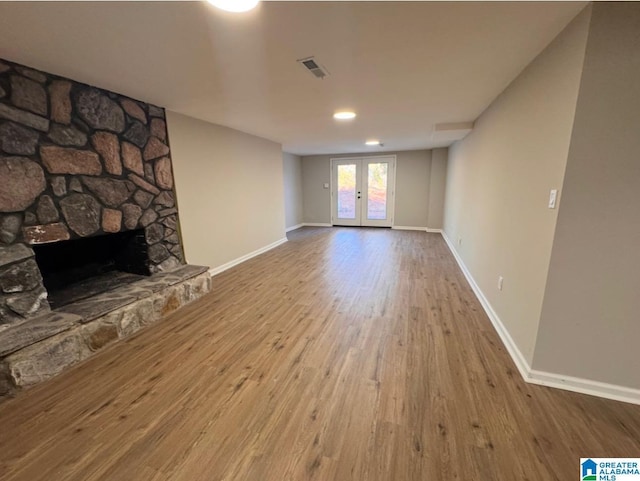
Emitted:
pixel 391 189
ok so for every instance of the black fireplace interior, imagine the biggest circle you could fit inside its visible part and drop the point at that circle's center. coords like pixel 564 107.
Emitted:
pixel 77 269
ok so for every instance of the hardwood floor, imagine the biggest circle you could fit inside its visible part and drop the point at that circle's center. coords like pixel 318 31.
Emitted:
pixel 345 354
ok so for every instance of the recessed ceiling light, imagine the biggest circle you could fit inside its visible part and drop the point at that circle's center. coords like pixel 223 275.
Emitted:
pixel 344 115
pixel 234 5
pixel 372 142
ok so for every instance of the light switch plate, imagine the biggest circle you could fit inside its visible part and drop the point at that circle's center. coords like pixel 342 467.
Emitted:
pixel 553 195
pixel 326 185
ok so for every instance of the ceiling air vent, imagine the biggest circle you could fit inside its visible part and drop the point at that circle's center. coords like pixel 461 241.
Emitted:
pixel 315 68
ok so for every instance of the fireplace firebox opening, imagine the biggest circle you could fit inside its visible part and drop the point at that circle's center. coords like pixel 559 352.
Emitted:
pixel 80 268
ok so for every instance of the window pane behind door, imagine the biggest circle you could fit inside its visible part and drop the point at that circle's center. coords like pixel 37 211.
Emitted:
pixel 377 192
pixel 347 191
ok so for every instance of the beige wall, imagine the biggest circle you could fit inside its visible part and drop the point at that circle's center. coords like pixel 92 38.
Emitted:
pixel 590 323
pixel 437 183
pixel 413 187
pixel 292 169
pixel 230 190
pixel 413 169
pixel 316 200
pixel 498 183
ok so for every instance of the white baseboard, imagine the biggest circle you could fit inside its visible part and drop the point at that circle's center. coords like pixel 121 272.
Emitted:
pixel 316 224
pixel 507 340
pixel 408 227
pixel 217 270
pixel 533 376
pixel 297 226
pixel 423 229
pixel 585 386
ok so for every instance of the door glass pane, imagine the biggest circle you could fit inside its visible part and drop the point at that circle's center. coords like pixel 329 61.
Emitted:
pixel 347 191
pixel 377 191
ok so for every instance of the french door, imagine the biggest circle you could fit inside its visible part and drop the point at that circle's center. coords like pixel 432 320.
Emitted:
pixel 362 191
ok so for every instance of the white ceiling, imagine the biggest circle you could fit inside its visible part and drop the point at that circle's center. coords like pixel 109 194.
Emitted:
pixel 402 66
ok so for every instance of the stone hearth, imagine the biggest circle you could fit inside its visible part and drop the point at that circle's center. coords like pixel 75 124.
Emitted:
pixel 42 347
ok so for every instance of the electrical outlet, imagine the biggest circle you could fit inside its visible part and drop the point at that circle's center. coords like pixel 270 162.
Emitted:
pixel 553 195
pixel 500 281
pixel 325 185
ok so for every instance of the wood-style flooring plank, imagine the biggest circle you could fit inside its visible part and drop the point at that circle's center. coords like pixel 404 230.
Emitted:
pixel 344 354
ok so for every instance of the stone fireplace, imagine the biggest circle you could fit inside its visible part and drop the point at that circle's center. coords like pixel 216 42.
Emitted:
pixel 87 210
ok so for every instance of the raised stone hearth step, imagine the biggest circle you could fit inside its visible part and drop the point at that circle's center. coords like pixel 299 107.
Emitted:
pixel 98 306
pixel 101 304
pixel 42 347
pixel 34 330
